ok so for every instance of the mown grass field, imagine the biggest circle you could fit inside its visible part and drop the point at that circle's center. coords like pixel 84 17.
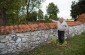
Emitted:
pixel 75 46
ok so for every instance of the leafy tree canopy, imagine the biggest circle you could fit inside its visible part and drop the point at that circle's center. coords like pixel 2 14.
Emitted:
pixel 77 9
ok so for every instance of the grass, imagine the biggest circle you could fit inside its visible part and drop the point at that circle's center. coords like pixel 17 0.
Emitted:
pixel 75 46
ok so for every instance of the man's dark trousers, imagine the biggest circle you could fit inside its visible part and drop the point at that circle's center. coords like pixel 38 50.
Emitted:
pixel 61 36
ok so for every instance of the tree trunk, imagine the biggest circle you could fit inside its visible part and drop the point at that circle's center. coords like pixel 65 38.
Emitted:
pixel 28 4
pixel 3 16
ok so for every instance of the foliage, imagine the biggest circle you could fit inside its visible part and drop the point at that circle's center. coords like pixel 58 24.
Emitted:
pixel 77 9
pixel 32 5
pixel 46 17
pixel 53 17
pixel 33 16
pixel 40 14
pixel 12 10
pixel 53 41
pixel 9 9
pixel 52 11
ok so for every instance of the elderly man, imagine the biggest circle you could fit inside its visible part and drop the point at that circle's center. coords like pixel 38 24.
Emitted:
pixel 62 28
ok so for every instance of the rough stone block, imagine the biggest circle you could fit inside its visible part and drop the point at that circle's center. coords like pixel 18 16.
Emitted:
pixel 2 45
pixel 24 39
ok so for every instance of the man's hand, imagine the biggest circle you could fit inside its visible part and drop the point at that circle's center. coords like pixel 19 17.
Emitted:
pixel 64 30
pixel 50 19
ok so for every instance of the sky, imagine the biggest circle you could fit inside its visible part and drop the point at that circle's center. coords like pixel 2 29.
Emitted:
pixel 64 7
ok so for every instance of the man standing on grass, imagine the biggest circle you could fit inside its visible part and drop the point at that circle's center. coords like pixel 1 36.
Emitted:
pixel 62 28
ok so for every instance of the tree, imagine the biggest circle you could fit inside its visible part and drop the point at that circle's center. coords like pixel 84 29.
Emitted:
pixel 31 5
pixel 77 9
pixel 40 14
pixel 52 11
pixel 33 16
pixel 46 17
pixel 9 8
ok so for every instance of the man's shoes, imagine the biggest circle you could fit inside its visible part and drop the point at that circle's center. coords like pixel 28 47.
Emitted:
pixel 64 44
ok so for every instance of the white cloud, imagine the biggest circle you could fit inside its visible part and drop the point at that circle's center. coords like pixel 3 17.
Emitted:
pixel 63 5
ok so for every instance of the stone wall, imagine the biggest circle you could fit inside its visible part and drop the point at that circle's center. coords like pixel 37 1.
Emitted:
pixel 17 42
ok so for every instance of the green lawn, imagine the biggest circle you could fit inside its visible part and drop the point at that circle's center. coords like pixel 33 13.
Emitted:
pixel 75 46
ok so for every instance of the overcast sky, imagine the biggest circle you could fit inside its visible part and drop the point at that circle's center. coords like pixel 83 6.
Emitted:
pixel 64 7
